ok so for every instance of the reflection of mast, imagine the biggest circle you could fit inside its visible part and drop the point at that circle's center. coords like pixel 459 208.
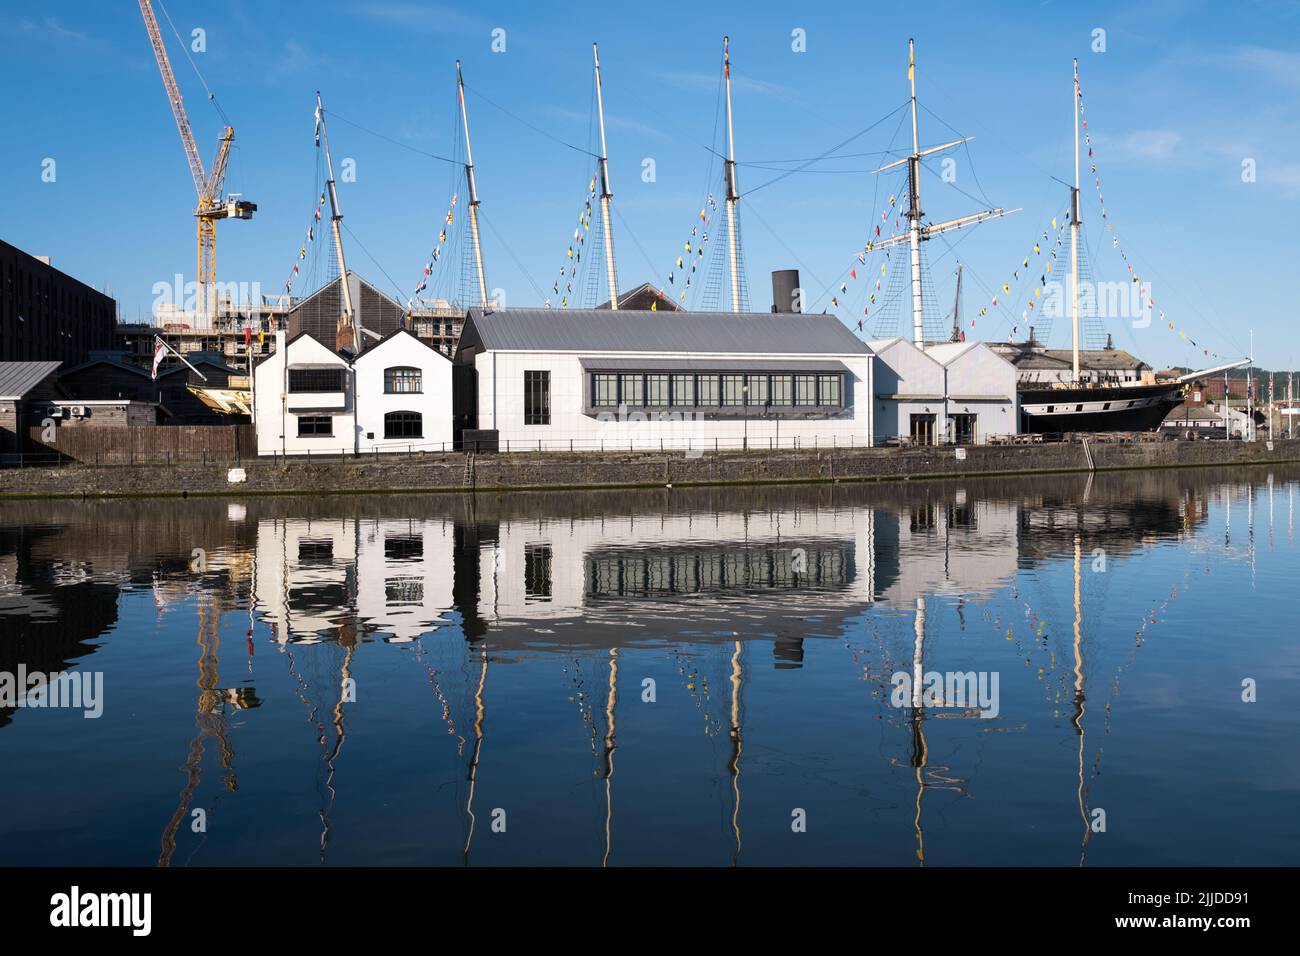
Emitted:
pixel 611 702
pixel 920 751
pixel 209 721
pixel 737 745
pixel 1077 719
pixel 478 750
pixel 340 735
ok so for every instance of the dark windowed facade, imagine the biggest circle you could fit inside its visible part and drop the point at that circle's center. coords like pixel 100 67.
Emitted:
pixel 403 425
pixel 537 398
pixel 707 390
pixel 315 426
pixel 402 380
pixel 46 315
pixel 537 572
pixel 316 380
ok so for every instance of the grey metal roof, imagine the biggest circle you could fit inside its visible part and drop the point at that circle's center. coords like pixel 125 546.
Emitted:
pixel 19 378
pixel 681 333
pixel 712 365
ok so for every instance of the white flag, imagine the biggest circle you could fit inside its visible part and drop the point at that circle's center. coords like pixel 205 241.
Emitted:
pixel 317 124
pixel 159 350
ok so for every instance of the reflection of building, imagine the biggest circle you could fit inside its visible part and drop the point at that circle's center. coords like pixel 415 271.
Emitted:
pixel 315 577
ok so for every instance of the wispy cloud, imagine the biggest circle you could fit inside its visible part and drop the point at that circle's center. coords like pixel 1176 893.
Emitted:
pixel 425 18
pixel 739 84
pixel 1146 145
pixel 612 122
pixel 1278 66
pixel 51 27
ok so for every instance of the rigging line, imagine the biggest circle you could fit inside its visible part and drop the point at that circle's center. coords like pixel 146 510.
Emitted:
pixel 846 142
pixel 389 139
pixel 952 249
pixel 541 296
pixel 635 241
pixel 212 97
pixel 814 159
pixel 402 296
pixel 749 205
pixel 970 161
pixel 974 199
pixel 524 122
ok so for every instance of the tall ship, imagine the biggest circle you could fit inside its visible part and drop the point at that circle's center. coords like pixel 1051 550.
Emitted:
pixel 1122 398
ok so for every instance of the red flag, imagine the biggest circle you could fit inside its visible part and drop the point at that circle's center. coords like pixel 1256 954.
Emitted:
pixel 853 272
pixel 248 337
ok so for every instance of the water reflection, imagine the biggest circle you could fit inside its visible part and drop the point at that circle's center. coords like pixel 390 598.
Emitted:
pixel 771 615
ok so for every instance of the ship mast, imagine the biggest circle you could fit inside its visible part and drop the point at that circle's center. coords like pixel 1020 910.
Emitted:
pixel 605 194
pixel 917 233
pixel 472 186
pixel 348 332
pixel 1074 233
pixel 733 196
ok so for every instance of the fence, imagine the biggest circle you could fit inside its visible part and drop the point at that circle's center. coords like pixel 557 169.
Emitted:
pixel 136 445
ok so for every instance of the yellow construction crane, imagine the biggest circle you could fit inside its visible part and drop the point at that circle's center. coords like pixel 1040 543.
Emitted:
pixel 213 205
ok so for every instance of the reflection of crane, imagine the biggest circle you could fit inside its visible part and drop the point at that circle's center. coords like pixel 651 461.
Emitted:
pixel 209 186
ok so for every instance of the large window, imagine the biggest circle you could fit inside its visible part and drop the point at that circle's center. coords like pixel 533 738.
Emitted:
pixel 828 390
pixel 708 390
pixel 656 389
pixel 316 379
pixel 605 385
pixel 757 390
pixel 684 390
pixel 783 390
pixel 402 380
pixel 633 389
pixel 537 398
pixel 733 390
pixel 403 425
pixel 805 389
pixel 921 430
pixel 315 426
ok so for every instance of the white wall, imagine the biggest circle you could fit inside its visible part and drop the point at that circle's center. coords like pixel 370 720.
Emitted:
pixel 982 383
pixel 903 369
pixel 276 417
pixel 433 403
pixel 501 407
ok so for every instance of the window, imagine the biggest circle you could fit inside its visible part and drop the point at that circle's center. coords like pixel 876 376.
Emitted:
pixel 537 572
pixel 402 380
pixel 656 389
pixel 805 389
pixel 757 390
pixel 316 379
pixel 783 390
pixel 733 390
pixel 828 390
pixel 684 390
pixel 315 426
pixel 537 398
pixel 633 388
pixel 403 425
pixel 708 390
pixel 605 389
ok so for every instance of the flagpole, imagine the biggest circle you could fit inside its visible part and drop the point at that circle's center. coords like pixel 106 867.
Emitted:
pixel 158 339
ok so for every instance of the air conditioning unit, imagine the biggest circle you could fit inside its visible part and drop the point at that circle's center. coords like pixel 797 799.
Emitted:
pixel 55 411
pixel 78 411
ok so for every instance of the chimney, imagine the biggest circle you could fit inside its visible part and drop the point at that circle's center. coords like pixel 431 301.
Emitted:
pixel 786 293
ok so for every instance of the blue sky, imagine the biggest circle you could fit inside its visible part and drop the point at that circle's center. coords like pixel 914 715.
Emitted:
pixel 1183 94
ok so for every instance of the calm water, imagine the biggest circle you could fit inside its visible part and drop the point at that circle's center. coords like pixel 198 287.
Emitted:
pixel 662 677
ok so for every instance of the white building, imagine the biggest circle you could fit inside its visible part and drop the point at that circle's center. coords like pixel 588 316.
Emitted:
pixel 959 392
pixel 403 396
pixel 601 379
pixel 395 396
